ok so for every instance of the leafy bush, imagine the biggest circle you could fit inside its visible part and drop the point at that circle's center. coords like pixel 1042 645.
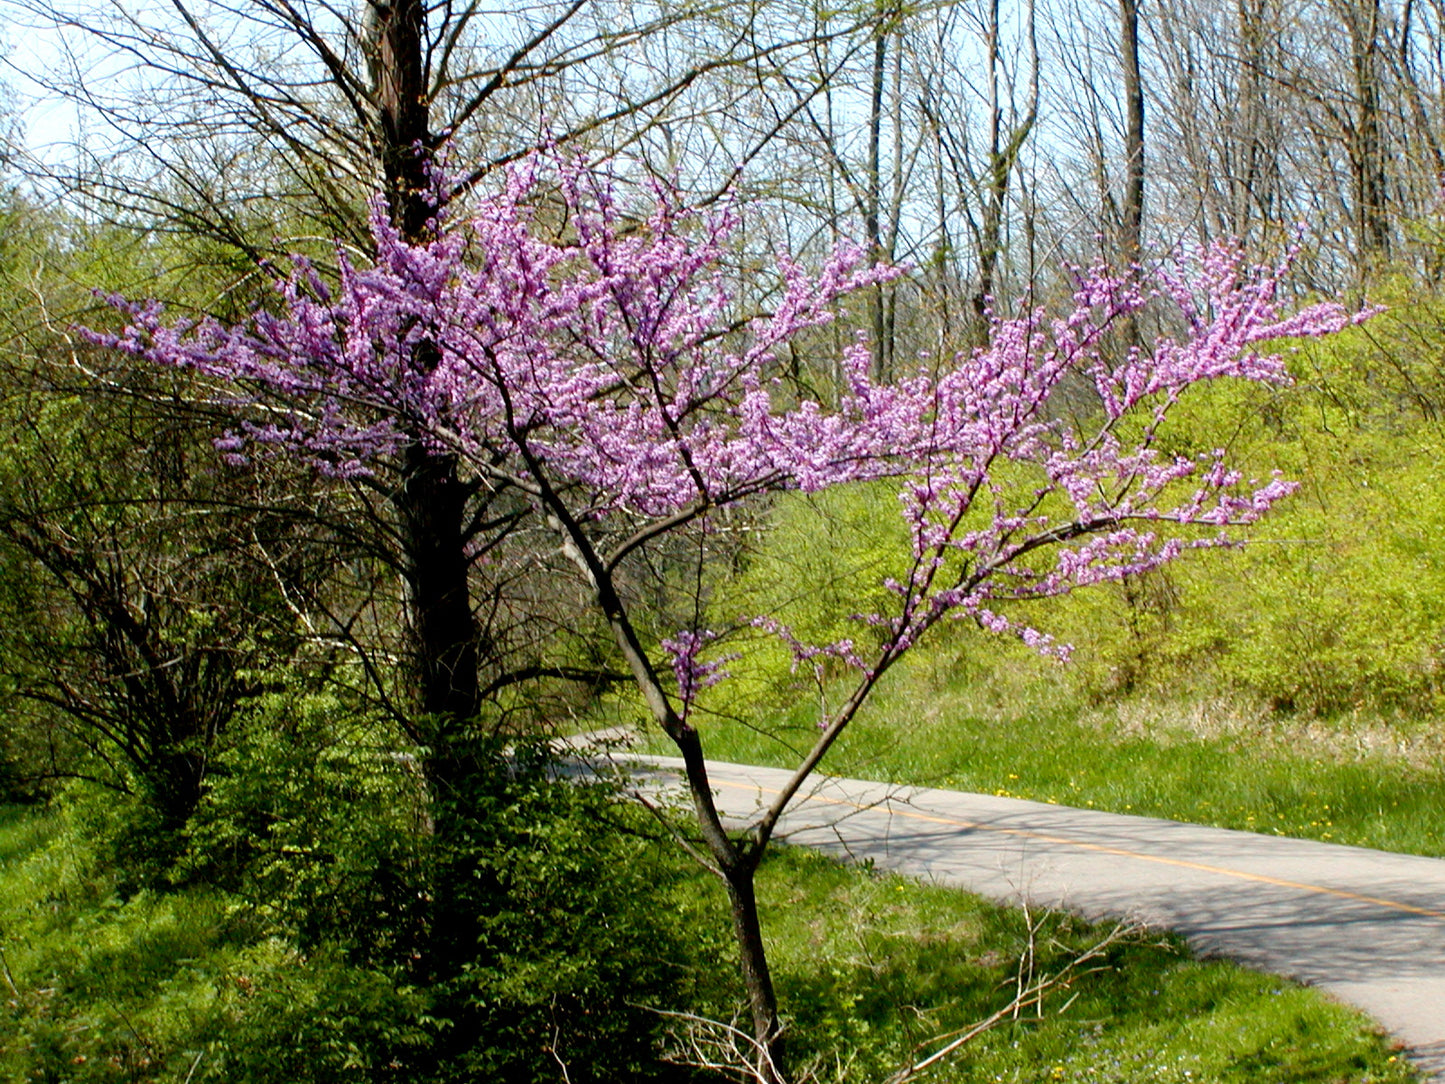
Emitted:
pixel 1338 602
pixel 331 921
pixel 1336 605
pixel 552 931
pixel 316 815
pixel 318 1018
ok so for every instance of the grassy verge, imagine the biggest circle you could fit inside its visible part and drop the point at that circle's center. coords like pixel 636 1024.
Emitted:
pixel 938 722
pixel 871 969
pixel 875 970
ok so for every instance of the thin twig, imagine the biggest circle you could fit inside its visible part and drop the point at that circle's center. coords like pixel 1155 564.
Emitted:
pixel 1027 997
pixel 9 978
pixel 722 1048
pixel 556 1038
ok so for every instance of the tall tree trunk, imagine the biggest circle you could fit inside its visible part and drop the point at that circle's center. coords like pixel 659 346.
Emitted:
pixel 1131 225
pixel 431 501
pixel 1003 156
pixel 404 141
pixel 1131 211
pixel 991 236
pixel 1424 133
pixel 873 202
pixel 1245 180
pixel 430 504
pixel 1365 136
pixel 432 507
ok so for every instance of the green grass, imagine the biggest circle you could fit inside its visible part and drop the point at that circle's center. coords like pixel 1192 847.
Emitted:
pixel 23 830
pixel 873 968
pixel 103 989
pixel 939 722
pixel 870 969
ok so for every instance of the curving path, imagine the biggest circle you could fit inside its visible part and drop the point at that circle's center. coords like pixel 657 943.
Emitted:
pixel 1366 926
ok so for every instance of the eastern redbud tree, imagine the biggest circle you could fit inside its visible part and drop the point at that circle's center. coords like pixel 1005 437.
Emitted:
pixel 587 363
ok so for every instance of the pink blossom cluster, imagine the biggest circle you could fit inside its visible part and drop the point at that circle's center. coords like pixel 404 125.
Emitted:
pixel 693 673
pixel 568 346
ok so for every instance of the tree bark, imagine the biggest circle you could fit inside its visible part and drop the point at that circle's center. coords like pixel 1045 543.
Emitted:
pixel 1002 158
pixel 402 98
pixel 432 507
pixel 431 500
pixel 757 977
pixel 873 204
pixel 1131 225
pixel 1365 137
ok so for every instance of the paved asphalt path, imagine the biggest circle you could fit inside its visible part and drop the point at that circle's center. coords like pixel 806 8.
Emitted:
pixel 1366 926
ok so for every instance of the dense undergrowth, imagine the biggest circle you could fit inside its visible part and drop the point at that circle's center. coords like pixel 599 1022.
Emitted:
pixel 191 982
pixel 304 924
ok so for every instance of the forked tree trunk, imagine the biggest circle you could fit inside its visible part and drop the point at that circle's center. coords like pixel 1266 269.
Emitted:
pixel 736 861
pixel 1003 156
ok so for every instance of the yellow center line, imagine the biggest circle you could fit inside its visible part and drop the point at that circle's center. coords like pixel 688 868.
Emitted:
pixel 1099 848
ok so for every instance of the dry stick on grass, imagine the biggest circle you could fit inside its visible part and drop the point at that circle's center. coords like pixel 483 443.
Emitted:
pixel 1028 994
pixel 1024 976
pixel 725 1048
pixel 717 1047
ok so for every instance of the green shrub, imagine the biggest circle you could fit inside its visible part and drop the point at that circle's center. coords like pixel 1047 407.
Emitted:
pixel 331 921
pixel 1337 602
pixel 555 936
pixel 297 1018
pixel 316 815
